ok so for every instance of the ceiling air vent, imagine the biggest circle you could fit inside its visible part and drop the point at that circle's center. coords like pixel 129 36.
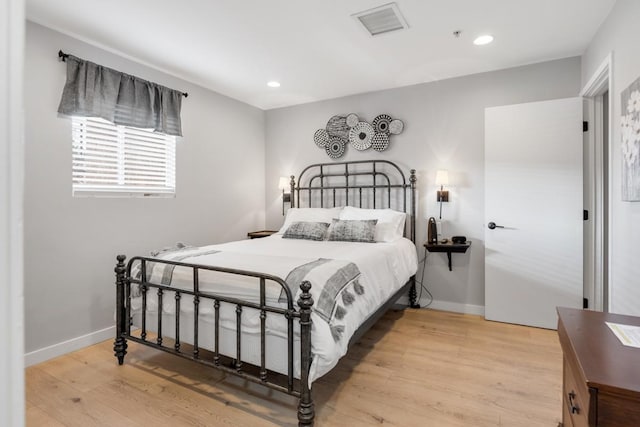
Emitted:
pixel 383 19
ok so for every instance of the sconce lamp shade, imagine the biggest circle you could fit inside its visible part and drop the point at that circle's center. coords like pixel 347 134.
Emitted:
pixel 442 177
pixel 284 183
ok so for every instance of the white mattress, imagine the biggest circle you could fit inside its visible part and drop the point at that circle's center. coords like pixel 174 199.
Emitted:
pixel 384 268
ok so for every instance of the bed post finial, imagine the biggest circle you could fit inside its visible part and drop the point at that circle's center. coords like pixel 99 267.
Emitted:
pixel 413 179
pixel 293 187
pixel 120 344
pixel 413 295
pixel 306 410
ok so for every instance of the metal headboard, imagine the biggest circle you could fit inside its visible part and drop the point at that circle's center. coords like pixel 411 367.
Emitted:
pixel 343 183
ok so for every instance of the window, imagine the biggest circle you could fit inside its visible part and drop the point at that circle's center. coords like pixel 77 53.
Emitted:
pixel 113 160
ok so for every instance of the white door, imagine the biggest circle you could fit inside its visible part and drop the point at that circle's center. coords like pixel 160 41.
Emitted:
pixel 533 195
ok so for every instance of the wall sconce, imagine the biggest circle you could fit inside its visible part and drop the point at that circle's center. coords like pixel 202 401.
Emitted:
pixel 285 185
pixel 442 179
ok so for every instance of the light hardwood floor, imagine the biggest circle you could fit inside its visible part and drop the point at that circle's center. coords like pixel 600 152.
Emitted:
pixel 414 368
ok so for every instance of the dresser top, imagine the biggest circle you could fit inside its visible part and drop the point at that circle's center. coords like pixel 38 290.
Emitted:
pixel 605 362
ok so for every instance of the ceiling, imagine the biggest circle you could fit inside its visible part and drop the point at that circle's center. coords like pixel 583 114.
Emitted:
pixel 315 49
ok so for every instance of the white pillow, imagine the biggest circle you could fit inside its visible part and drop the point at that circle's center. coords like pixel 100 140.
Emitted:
pixel 309 215
pixel 390 224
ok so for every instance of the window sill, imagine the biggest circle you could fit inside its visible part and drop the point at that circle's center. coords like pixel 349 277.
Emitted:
pixel 122 194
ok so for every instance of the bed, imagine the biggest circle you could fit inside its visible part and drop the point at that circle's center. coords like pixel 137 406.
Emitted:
pixel 282 310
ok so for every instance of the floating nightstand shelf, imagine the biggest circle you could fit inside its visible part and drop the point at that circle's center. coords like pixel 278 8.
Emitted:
pixel 261 233
pixel 448 248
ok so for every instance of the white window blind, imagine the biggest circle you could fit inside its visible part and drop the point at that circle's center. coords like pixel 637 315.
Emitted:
pixel 112 160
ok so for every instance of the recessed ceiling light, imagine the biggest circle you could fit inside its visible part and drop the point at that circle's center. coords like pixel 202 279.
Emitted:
pixel 485 39
pixel 273 83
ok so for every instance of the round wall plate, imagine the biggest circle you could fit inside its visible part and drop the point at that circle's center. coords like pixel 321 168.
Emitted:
pixel 352 120
pixel 360 136
pixel 337 127
pixel 380 141
pixel 381 123
pixel 396 127
pixel 321 138
pixel 335 148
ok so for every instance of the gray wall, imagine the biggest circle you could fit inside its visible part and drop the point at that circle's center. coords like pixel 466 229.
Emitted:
pixel 619 34
pixel 71 243
pixel 444 129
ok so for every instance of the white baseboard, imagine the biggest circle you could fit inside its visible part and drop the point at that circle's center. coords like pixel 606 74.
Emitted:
pixel 46 353
pixel 455 307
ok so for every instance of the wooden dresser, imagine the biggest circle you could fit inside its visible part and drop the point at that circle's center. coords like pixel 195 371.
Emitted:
pixel 601 377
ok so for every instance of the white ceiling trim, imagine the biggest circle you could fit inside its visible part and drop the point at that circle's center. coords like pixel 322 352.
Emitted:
pixel 316 49
pixel 117 52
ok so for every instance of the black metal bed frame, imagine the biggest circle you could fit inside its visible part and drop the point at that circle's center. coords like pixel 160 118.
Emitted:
pixel 348 173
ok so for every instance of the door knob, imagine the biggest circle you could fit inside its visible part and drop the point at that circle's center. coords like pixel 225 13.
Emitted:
pixel 493 225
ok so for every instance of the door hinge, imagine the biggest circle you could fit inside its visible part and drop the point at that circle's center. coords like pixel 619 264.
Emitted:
pixel 585 215
pixel 585 126
pixel 585 302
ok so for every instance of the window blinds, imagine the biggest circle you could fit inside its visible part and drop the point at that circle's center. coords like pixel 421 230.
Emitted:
pixel 115 160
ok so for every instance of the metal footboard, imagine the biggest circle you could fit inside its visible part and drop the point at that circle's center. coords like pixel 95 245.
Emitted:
pixel 235 366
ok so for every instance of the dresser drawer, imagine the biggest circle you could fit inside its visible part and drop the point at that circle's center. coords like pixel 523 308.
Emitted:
pixel 576 399
pixel 601 378
pixel 617 410
pixel 566 415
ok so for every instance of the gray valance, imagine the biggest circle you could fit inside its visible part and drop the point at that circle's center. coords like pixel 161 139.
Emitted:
pixel 92 90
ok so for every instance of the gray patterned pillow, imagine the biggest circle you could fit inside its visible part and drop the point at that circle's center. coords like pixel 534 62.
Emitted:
pixel 306 230
pixel 353 230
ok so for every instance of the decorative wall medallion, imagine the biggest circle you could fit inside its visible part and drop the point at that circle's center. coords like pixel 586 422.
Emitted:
pixel 337 127
pixel 380 141
pixel 341 130
pixel 352 120
pixel 381 123
pixel 360 136
pixel 396 127
pixel 321 138
pixel 335 148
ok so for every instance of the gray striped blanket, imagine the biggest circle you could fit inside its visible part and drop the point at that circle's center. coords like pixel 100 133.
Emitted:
pixel 335 284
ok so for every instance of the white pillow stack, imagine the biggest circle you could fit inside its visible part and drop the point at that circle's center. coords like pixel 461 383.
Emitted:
pixel 390 226
pixel 309 215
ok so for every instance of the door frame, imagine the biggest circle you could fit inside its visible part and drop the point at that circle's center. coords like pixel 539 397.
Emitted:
pixel 12 390
pixel 596 242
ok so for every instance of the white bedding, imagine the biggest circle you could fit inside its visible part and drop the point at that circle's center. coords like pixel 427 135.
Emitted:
pixel 383 267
